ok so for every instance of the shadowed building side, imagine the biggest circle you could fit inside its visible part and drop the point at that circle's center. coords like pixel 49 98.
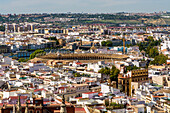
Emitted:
pixel 38 106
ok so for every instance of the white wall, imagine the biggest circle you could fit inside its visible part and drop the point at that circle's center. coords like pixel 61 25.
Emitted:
pixel 105 88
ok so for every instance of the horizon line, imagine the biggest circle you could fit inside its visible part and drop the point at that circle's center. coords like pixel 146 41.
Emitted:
pixel 83 12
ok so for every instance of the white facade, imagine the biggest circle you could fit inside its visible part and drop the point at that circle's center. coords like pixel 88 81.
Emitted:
pixel 95 66
pixel 7 94
pixel 89 95
pixel 165 45
pixel 107 89
pixel 36 67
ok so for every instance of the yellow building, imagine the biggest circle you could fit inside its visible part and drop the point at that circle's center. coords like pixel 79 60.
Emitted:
pixel 125 80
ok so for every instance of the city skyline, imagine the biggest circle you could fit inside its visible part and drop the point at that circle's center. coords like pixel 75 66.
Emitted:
pixel 84 56
pixel 78 6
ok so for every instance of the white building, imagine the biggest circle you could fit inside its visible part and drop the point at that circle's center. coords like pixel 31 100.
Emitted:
pixel 89 94
pixel 95 66
pixel 108 89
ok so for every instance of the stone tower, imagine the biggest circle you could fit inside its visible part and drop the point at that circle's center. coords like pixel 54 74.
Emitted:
pixel 63 105
pixel 26 108
pixel 13 109
pixel 6 29
pixel 19 106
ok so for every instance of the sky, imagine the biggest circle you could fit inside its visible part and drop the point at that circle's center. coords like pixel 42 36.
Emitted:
pixel 79 6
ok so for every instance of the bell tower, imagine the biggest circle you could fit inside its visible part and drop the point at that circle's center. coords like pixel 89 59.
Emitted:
pixel 19 106
pixel 63 105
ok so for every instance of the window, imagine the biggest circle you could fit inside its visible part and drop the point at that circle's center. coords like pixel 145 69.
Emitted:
pixel 37 111
pixel 36 102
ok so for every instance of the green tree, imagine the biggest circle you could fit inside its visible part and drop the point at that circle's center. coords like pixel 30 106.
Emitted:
pixel 2 28
pixel 113 72
pixel 149 47
pixel 36 53
pixel 150 38
pixel 76 75
pixel 129 68
pixel 114 76
pixel 109 43
pixel 103 43
pixel 159 60
pixel 23 60
pixel 54 38
pixel 106 102
pixel 153 52
pixel 101 71
pixel 107 71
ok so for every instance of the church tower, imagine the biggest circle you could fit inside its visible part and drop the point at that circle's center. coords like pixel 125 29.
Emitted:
pixel 19 106
pixel 26 108
pixel 6 29
pixel 63 106
pixel 13 111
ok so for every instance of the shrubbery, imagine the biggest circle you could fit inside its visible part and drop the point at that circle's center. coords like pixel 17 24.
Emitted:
pixel 37 53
